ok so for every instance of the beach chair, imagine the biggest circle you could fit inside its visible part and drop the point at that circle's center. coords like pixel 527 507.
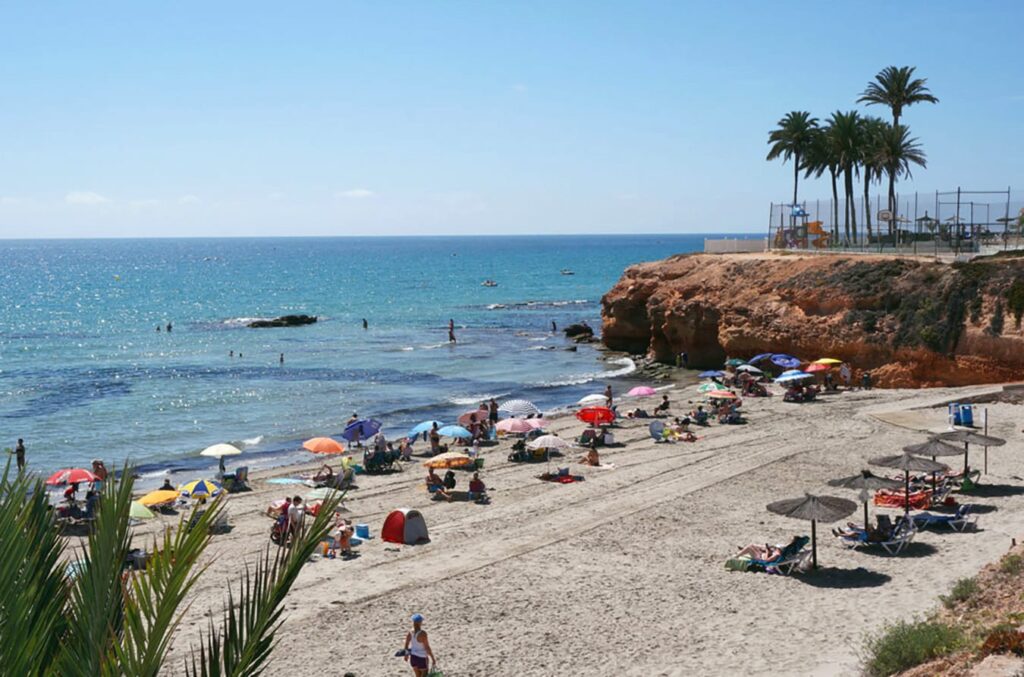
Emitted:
pixel 959 521
pixel 237 481
pixel 902 534
pixel 657 432
pixel 791 557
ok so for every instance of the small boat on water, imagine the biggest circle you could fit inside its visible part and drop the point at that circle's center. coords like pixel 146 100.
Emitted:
pixel 566 271
pixel 488 283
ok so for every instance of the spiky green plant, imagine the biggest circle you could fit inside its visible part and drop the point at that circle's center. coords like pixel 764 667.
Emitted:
pixel 100 620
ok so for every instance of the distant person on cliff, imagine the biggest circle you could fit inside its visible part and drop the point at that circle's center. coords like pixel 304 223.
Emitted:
pixel 451 331
pixel 683 360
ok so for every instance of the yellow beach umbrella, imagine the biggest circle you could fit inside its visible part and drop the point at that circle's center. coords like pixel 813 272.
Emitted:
pixel 828 360
pixel 159 497
pixel 140 512
pixel 200 489
pixel 449 459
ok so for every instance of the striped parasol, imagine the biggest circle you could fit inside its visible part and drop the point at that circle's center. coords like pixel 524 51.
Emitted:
pixel 519 408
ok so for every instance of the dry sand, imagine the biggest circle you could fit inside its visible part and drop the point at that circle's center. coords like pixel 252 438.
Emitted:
pixel 622 574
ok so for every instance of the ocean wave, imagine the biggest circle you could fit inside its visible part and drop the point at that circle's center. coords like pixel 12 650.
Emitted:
pixel 476 399
pixel 252 441
pixel 513 305
pixel 625 365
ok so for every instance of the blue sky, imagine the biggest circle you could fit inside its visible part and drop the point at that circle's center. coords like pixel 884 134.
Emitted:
pixel 337 118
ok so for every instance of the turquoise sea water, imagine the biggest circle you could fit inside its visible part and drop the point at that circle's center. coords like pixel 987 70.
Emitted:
pixel 85 374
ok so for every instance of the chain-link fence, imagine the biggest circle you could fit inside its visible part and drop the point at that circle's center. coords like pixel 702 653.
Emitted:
pixel 944 222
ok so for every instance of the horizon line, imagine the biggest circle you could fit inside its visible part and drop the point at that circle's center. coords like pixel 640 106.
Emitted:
pixel 379 237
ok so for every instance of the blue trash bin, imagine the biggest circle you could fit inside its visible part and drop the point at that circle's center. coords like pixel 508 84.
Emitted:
pixel 954 412
pixel 967 415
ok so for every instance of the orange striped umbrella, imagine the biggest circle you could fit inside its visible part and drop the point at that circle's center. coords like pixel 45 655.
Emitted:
pixel 323 445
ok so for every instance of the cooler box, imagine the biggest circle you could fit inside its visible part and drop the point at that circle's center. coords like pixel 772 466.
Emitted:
pixel 363 531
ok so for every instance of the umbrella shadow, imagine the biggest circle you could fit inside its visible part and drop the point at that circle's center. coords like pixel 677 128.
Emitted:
pixel 832 577
pixel 995 490
pixel 910 550
pixel 981 508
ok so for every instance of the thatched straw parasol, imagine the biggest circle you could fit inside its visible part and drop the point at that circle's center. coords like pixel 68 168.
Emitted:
pixel 866 481
pixel 906 463
pixel 969 437
pixel 814 509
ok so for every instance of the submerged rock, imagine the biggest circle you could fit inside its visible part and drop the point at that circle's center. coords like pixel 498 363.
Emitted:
pixel 578 330
pixel 284 321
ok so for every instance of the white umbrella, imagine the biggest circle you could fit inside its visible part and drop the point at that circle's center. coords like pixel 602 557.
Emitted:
pixel 549 442
pixel 749 369
pixel 220 450
pixel 593 399
pixel 519 408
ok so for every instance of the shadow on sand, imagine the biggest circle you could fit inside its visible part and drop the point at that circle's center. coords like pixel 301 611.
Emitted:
pixel 994 491
pixel 911 550
pixel 831 577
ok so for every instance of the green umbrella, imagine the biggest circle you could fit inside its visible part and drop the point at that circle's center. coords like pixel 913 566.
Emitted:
pixel 708 387
pixel 140 512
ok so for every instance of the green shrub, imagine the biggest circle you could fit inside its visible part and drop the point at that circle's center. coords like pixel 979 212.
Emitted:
pixel 904 644
pixel 976 309
pixel 1015 300
pixel 962 591
pixel 1012 564
pixel 995 325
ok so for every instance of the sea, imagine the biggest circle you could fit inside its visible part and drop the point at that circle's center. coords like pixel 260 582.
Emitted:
pixel 88 368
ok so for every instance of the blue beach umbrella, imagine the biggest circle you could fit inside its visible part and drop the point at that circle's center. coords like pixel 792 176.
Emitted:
pixel 757 358
pixel 791 372
pixel 366 428
pixel 454 431
pixel 786 361
pixel 799 376
pixel 424 427
pixel 711 374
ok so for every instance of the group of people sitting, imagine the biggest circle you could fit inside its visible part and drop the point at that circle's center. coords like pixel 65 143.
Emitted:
pixel 801 393
pixel 72 508
pixel 381 455
pixel 443 488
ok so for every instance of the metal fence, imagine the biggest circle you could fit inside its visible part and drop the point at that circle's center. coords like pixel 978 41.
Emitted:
pixel 943 222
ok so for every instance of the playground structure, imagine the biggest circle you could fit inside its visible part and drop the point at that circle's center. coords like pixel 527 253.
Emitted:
pixel 946 222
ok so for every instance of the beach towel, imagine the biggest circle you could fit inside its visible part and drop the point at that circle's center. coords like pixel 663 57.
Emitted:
pixel 737 564
pixel 285 480
pixel 606 466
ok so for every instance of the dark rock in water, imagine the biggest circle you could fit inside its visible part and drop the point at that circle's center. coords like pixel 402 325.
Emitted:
pixel 571 349
pixel 576 330
pixel 284 321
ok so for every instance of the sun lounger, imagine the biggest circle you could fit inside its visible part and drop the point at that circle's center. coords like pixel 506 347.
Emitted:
pixel 791 557
pixel 891 537
pixel 958 521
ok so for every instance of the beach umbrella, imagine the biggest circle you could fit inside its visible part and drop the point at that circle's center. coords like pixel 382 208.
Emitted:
pixel 323 445
pixel 711 374
pixel 159 497
pixel 792 372
pixel 722 395
pixel 933 447
pixel 140 512
pixel 785 361
pixel 71 476
pixel 814 509
pixel 734 362
pixel 454 431
pixel 866 481
pixel 817 367
pixel 906 463
pixel 749 368
pixel 538 423
pixel 642 391
pixel 449 459
pixel 596 398
pixel 707 387
pixel 799 376
pixel 827 360
pixel 515 425
pixel 596 415
pixel 421 428
pixel 757 358
pixel 519 408
pixel 220 451
pixel 365 428
pixel 969 437
pixel 549 442
pixel 200 489
pixel 467 418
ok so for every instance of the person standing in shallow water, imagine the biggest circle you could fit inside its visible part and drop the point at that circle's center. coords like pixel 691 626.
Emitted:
pixel 281 360
pixel 366 325
pixel 451 331
pixel 19 454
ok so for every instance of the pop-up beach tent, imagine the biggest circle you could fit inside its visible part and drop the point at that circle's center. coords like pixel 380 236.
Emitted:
pixel 404 526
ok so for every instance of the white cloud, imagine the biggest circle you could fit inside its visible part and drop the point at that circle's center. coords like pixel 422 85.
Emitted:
pixel 85 197
pixel 520 88
pixel 10 200
pixel 144 203
pixel 355 194
pixel 188 199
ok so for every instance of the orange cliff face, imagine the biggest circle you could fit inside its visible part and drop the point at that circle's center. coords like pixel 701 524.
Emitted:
pixel 912 322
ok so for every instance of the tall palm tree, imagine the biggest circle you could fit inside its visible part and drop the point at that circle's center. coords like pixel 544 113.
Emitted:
pixel 897 88
pixel 94 619
pixel 847 134
pixel 790 141
pixel 821 157
pixel 872 128
pixel 895 152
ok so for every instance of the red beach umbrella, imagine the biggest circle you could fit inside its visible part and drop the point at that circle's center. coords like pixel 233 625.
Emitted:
pixel 71 476
pixel 816 367
pixel 596 415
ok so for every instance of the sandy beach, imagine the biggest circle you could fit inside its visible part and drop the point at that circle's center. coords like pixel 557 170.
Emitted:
pixel 623 573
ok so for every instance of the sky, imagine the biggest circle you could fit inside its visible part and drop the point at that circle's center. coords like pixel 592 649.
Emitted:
pixel 416 118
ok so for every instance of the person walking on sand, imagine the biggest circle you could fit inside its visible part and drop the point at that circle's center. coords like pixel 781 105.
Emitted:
pixel 417 648
pixel 19 454
pixel 608 396
pixel 451 331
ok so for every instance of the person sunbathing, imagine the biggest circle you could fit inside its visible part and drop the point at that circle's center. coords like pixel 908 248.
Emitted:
pixel 324 475
pixel 436 486
pixel 762 552
pixel 591 457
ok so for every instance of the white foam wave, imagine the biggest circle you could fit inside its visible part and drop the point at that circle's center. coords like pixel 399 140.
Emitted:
pixel 476 399
pixel 625 364
pixel 537 304
pixel 406 349
pixel 252 441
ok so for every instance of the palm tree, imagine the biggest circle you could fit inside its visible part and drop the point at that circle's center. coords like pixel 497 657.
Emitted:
pixel 821 157
pixel 895 152
pixel 871 131
pixel 790 141
pixel 846 133
pixel 897 88
pixel 89 619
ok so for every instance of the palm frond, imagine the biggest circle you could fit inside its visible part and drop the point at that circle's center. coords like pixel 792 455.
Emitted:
pixel 242 644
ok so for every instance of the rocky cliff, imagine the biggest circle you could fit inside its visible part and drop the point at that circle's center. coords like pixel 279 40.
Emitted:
pixel 912 322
